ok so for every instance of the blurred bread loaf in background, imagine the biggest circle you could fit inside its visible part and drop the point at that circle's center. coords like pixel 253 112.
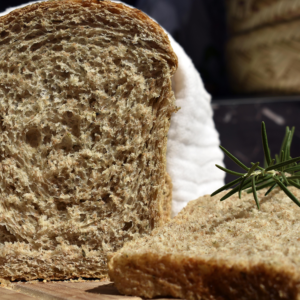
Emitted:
pixel 263 50
pixel 85 108
pixel 247 15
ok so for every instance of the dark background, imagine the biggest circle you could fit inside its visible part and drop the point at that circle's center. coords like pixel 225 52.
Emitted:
pixel 239 125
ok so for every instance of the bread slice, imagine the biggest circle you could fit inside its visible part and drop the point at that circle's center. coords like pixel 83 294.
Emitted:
pixel 85 107
pixel 217 250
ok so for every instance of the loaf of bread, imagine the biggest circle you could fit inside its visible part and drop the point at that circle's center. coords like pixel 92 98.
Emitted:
pixel 265 60
pixel 217 250
pixel 248 15
pixel 85 107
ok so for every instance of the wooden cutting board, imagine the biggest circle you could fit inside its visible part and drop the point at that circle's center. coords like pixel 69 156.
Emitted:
pixel 87 290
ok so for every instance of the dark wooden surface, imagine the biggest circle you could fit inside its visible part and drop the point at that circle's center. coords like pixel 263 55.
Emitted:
pixel 6 294
pixel 87 290
pixel 93 290
pixel 239 125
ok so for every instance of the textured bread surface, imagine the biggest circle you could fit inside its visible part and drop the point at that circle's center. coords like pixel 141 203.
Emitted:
pixel 85 107
pixel 218 251
pixel 252 14
pixel 266 60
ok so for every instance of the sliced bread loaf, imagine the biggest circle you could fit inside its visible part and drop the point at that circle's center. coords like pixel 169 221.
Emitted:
pixel 217 250
pixel 85 107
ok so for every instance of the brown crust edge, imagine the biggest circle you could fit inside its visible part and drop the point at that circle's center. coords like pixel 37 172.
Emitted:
pixel 167 200
pixel 150 275
pixel 134 13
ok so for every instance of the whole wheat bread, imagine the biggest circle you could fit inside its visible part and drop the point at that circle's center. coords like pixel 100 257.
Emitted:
pixel 218 250
pixel 85 107
pixel 265 60
pixel 249 15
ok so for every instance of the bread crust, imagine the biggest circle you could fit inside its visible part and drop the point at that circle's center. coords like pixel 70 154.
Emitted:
pixel 133 13
pixel 167 204
pixel 151 275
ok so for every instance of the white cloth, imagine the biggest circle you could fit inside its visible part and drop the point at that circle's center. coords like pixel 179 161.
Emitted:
pixel 192 140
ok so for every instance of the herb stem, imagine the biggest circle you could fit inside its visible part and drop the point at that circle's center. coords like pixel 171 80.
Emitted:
pixel 281 171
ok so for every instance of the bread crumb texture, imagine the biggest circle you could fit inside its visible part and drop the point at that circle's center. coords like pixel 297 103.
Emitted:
pixel 218 251
pixel 85 107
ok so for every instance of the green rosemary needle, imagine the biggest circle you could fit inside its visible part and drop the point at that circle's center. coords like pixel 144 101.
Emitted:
pixel 282 171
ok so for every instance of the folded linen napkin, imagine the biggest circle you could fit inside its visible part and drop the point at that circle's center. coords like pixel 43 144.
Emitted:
pixel 192 140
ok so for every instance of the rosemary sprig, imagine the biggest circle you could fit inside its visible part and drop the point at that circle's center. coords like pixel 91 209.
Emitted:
pixel 282 171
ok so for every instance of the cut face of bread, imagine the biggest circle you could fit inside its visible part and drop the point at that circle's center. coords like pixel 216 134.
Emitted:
pixel 85 107
pixel 217 250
